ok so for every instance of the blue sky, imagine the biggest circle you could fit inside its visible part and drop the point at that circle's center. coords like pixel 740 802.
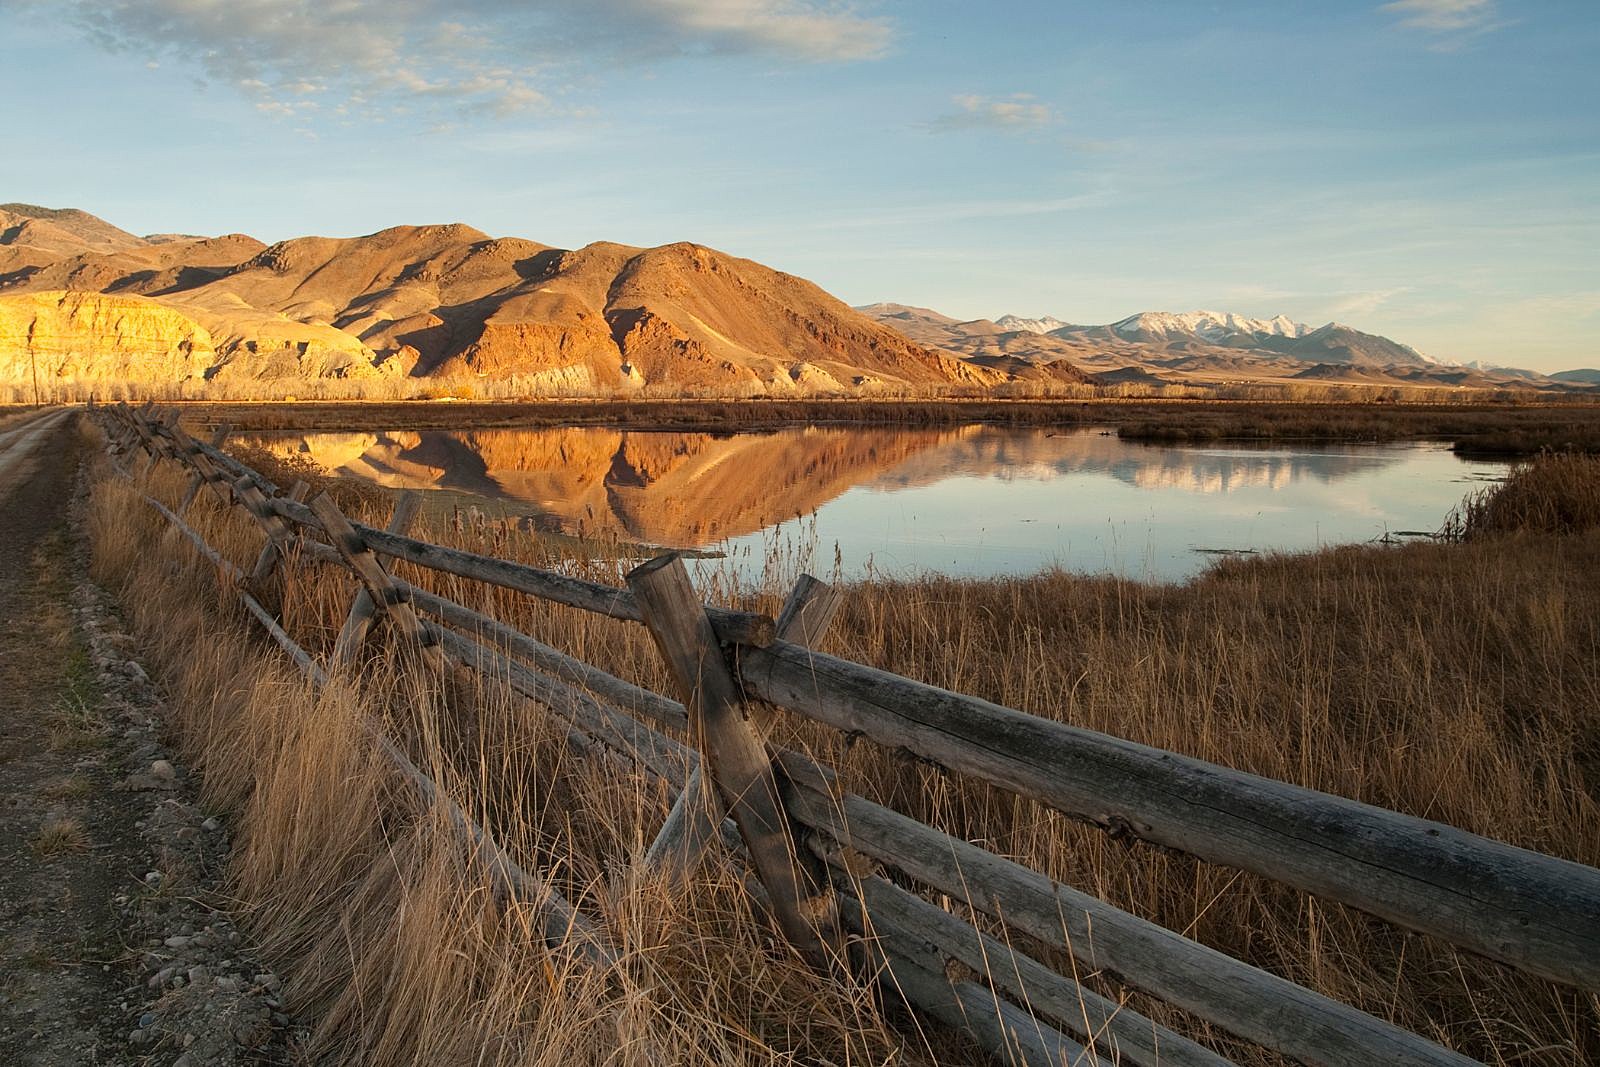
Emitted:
pixel 1426 169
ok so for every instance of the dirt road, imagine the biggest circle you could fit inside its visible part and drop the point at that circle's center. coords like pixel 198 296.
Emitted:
pixel 66 839
pixel 115 946
pixel 21 440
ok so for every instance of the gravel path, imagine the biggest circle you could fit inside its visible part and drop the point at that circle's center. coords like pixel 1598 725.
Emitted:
pixel 115 947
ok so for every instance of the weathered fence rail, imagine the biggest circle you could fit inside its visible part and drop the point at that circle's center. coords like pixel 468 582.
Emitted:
pixel 804 835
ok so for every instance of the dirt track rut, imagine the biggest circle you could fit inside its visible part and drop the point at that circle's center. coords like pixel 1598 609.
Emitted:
pixel 66 839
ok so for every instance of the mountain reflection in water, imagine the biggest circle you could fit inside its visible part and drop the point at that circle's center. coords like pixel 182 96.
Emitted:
pixel 972 499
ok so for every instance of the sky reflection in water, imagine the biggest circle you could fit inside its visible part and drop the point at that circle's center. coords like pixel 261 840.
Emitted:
pixel 969 500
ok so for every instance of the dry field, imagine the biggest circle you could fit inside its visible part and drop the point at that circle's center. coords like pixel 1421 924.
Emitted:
pixel 1520 424
pixel 1457 681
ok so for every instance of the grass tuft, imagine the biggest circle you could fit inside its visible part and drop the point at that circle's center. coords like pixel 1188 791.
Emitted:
pixel 77 787
pixel 59 835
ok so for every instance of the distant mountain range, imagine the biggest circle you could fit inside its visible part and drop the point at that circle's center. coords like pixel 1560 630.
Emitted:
pixel 89 307
pixel 1044 325
pixel 1203 347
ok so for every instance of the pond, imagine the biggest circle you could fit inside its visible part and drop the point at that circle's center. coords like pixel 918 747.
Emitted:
pixel 972 500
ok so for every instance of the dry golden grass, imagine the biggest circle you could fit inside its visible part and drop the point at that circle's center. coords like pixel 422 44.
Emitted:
pixel 1513 424
pixel 1453 681
pixel 1552 494
pixel 76 787
pixel 58 835
pixel 390 941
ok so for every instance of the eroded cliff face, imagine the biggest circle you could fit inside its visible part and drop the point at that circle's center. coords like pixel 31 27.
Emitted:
pixel 92 339
pixel 552 342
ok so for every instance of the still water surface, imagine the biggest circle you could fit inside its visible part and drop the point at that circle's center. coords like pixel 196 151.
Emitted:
pixel 970 500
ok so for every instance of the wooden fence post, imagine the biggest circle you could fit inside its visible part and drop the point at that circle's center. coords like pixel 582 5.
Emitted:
pixel 279 536
pixel 161 439
pixel 149 442
pixel 119 430
pixel 696 816
pixel 387 597
pixel 188 452
pixel 278 533
pixel 732 749
pixel 202 467
pixel 362 609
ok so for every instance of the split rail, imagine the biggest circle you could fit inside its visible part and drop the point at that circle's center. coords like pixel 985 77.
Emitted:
pixel 808 839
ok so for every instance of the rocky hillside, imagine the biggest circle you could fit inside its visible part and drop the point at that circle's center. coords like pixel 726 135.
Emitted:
pixel 445 308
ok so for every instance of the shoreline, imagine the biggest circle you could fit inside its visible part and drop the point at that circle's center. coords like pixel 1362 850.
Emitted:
pixel 1474 427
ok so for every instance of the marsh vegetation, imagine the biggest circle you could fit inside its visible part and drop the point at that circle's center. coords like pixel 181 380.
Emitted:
pixel 1454 680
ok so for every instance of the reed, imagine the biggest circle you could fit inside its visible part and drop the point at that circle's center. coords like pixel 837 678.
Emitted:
pixel 1555 493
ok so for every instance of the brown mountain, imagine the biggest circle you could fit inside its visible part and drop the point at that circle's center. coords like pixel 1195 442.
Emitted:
pixel 60 230
pixel 448 307
pixel 1020 354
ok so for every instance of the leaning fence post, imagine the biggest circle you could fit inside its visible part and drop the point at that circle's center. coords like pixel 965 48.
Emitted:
pixel 119 431
pixel 386 596
pixel 163 439
pixel 362 608
pixel 692 824
pixel 731 748
pixel 279 536
pixel 188 452
pixel 149 442
pixel 202 466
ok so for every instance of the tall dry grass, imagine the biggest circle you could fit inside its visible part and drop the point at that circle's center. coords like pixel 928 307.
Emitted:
pixel 1554 493
pixel 392 943
pixel 1453 681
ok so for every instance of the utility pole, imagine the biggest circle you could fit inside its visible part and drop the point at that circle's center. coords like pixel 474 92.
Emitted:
pixel 33 362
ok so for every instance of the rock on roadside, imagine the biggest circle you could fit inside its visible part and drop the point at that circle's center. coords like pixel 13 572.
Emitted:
pixel 196 996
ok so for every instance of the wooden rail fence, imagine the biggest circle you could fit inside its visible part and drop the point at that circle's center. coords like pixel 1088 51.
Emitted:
pixel 807 839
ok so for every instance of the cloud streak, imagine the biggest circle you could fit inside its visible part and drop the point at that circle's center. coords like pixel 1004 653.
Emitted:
pixel 494 57
pixel 1019 111
pixel 1365 302
pixel 1450 23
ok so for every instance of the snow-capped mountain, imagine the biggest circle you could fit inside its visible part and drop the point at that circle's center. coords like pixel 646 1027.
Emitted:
pixel 1494 368
pixel 1206 347
pixel 1186 346
pixel 1039 325
pixel 1215 326
pixel 1189 331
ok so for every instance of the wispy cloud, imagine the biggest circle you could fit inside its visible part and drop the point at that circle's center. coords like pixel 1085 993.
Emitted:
pixel 1019 111
pixel 826 32
pixel 1365 302
pixel 494 57
pixel 1449 23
